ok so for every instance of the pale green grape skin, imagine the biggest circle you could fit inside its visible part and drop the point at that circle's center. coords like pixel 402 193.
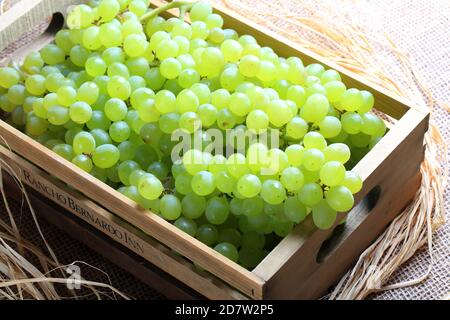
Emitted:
pixel 332 173
pixel 335 90
pixel 115 109
pixel 310 194
pixel 323 215
pixel 83 162
pixel 125 169
pixel 9 77
pixel 224 182
pixel 295 155
pixel 80 16
pixel 273 192
pixel 249 185
pixel 84 143
pixel 64 150
pixel 352 100
pixel 340 198
pixel 313 159
pixel 193 206
pixel 207 234
pixel 187 225
pixel 294 210
pixel 106 156
pixel 80 112
pixel 119 131
pixel 119 87
pixel 58 115
pixel 228 250
pixel 108 9
pixel 170 207
pixel 151 189
pixel 88 92
pixel 101 137
pixel 35 85
pixel 297 128
pixel 337 152
pixel 314 140
pixel 279 113
pixel 203 183
pixel 257 120
pixel 330 127
pixel 217 210
pixel 292 179
pixel 352 181
pixel 315 108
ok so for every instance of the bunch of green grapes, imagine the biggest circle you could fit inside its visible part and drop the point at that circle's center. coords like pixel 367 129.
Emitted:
pixel 111 90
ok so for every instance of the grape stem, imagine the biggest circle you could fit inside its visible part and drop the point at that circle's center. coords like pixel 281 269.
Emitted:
pixel 182 5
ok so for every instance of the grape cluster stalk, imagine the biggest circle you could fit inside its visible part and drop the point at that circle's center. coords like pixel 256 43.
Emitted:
pixel 111 90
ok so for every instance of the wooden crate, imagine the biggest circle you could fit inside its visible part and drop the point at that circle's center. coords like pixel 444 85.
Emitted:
pixel 304 265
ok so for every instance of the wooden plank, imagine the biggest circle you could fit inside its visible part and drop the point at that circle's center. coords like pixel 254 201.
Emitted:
pixel 116 229
pixel 124 258
pixel 293 261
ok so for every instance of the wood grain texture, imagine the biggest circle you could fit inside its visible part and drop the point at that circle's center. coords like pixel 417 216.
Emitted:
pixel 287 271
pixel 117 229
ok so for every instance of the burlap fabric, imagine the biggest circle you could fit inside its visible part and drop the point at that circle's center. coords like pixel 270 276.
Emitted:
pixel 418 28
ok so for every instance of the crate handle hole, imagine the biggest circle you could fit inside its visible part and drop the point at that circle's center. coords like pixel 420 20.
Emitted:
pixel 56 23
pixel 354 218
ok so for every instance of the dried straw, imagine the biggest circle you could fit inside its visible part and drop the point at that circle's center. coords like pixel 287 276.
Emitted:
pixel 334 34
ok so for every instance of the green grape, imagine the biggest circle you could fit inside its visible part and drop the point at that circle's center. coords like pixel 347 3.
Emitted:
pixel 79 55
pixel 294 210
pixel 310 194
pixel 81 16
pixel 130 27
pixel 125 169
pixel 88 92
pixel 36 126
pixel 228 250
pixel 371 124
pixel 330 127
pixel 277 160
pixel 231 78
pixel 70 134
pixel 199 30
pixel 170 207
pixel 64 150
pixel 138 7
pixel 207 114
pixel 292 179
pixel 337 152
pixel 52 55
pixel 295 154
pixel 83 162
pixel 217 210
pixel 159 170
pixel 203 183
pixel 193 206
pixel 91 38
pixel 106 156
pixel 169 122
pixel 108 10
pixel 239 104
pixel 119 87
pixel 203 92
pixel 249 257
pixel 258 121
pixel 119 131
pixel 232 50
pixel 170 68
pixel 80 112
pixel 297 128
pixel 332 173
pixel 194 162
pixel 110 35
pixel 145 155
pixel 315 108
pixel 118 69
pixel 187 101
pixel 183 183
pixel 258 97
pixel 313 159
pixel 335 90
pixel 236 206
pixel 252 207
pixel 249 66
pixel 18 116
pixel 237 165
pixel 137 66
pixel 165 102
pixel 190 122
pixel 112 55
pixel 330 75
pixel 188 77
pixel 323 215
pixel 154 25
pixel 220 99
pixel 249 186
pixel 200 11
pixel 207 234
pixel 352 100
pixel 368 102
pixel 297 94
pixel 17 94
pixel 53 82
pixel 151 188
pixel 137 82
pixel 135 176
pixel 230 235
pixel 115 109
pixel 352 181
pixel 58 115
pixel 279 113
pixel 98 121
pixel 273 192
pixel 351 122
pixel 35 84
pixel 101 137
pixel 314 140
pixel 66 95
pixel 340 198
pixel 187 225
pixel 224 182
